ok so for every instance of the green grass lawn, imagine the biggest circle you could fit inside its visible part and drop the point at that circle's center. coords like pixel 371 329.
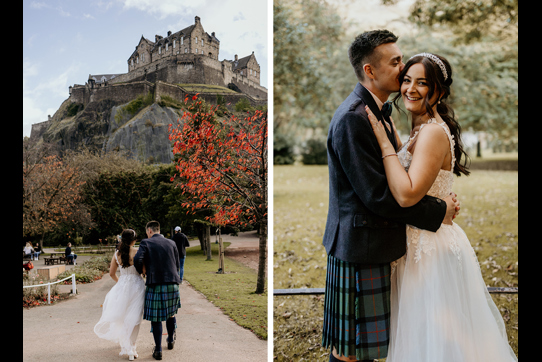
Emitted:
pixel 232 292
pixel 206 88
pixel 489 216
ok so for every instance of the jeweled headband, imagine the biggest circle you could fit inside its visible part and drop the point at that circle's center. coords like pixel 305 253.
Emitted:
pixel 435 59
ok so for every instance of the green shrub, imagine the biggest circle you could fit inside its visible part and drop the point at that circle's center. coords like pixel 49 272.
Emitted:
pixel 74 108
pixel 90 271
pixel 284 149
pixel 315 153
pixel 244 106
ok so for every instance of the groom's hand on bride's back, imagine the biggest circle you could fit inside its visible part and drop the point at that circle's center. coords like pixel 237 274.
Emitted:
pixel 453 207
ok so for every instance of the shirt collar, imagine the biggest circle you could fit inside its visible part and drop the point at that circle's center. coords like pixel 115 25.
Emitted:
pixel 377 100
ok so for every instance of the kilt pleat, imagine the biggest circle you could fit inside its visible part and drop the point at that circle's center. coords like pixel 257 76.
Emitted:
pixel 357 309
pixel 162 302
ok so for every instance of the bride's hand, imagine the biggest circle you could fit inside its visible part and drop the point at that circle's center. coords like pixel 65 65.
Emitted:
pixel 379 131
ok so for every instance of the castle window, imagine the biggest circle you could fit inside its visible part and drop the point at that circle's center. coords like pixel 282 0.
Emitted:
pixel 182 41
pixel 196 40
pixel 186 50
pixel 167 47
pixel 160 50
pixel 196 50
pixel 202 44
pixel 174 43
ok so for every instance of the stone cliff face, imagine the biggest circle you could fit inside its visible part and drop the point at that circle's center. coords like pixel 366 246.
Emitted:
pixel 106 126
pixel 145 136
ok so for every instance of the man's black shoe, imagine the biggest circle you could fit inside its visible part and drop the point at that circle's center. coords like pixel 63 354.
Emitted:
pixel 157 355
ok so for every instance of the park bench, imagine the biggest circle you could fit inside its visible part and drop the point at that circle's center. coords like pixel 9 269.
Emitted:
pixel 52 261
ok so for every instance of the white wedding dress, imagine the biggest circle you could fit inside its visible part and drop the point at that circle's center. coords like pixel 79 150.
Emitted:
pixel 441 309
pixel 123 311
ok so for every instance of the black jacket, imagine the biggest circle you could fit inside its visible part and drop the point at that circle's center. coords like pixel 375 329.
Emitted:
pixel 182 243
pixel 161 259
pixel 365 224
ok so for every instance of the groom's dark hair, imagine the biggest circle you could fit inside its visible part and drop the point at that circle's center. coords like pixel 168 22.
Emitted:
pixel 154 226
pixel 362 50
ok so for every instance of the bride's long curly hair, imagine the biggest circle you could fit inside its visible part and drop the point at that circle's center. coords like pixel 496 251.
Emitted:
pixel 128 237
pixel 437 84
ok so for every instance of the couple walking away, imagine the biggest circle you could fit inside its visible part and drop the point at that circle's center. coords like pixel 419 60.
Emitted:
pixel 130 301
pixel 403 281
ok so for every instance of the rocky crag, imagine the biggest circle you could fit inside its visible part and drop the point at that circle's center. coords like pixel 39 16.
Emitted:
pixel 106 126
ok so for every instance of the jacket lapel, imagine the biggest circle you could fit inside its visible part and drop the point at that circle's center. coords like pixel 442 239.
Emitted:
pixel 368 99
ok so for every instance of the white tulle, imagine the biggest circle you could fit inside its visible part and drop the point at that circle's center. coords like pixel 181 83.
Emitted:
pixel 123 312
pixel 441 309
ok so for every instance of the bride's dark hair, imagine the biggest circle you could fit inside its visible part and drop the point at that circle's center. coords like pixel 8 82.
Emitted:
pixel 128 237
pixel 437 84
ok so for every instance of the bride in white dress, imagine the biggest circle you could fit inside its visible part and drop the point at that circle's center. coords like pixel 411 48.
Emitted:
pixel 441 309
pixel 123 307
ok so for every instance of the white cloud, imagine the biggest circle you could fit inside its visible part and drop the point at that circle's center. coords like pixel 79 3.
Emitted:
pixel 239 16
pixel 38 97
pixel 163 8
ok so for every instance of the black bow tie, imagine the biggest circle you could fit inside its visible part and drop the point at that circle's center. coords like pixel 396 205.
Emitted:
pixel 387 108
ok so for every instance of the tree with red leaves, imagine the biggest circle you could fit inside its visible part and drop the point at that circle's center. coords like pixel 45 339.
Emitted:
pixel 51 191
pixel 223 166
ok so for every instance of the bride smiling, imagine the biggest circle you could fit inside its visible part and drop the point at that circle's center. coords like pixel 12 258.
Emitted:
pixel 441 309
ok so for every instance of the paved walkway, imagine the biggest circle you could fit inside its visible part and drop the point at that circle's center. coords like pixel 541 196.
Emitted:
pixel 65 331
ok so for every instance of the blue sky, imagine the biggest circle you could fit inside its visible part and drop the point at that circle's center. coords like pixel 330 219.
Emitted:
pixel 65 40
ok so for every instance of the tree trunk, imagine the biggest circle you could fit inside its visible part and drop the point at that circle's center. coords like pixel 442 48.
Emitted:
pixel 222 266
pixel 201 237
pixel 263 259
pixel 209 247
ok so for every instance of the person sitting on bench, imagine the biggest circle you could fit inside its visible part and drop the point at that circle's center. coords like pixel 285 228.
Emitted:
pixel 72 258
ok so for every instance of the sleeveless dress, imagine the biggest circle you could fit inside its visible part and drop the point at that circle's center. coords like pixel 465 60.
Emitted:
pixel 441 309
pixel 123 311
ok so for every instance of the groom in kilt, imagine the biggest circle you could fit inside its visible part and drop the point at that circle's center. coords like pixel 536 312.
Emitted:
pixel 160 257
pixel 366 227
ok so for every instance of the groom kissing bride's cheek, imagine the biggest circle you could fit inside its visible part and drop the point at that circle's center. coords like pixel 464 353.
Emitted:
pixel 403 281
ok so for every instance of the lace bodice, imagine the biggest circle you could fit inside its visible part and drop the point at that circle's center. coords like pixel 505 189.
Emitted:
pixel 421 241
pixel 445 179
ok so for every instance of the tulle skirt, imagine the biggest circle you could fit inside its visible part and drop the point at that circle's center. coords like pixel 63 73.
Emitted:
pixel 123 313
pixel 441 309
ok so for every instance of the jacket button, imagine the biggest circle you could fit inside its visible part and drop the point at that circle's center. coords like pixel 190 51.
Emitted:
pixel 439 201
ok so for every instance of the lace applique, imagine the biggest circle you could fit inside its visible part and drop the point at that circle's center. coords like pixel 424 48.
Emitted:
pixel 421 241
pixel 454 247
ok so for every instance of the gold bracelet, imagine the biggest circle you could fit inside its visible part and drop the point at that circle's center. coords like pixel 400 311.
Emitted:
pixel 391 154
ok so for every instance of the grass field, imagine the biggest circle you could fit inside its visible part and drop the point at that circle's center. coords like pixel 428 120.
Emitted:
pixel 489 216
pixel 232 292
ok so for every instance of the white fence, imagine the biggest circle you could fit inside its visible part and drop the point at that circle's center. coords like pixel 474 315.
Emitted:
pixel 74 287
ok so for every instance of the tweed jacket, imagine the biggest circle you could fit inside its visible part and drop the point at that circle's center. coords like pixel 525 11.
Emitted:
pixel 161 259
pixel 365 224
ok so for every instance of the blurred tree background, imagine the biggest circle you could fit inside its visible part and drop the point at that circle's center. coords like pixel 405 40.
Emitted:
pixel 313 75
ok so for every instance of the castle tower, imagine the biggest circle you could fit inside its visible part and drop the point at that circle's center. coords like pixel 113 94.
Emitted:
pixel 191 40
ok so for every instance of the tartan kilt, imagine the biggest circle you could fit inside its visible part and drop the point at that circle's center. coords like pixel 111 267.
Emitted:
pixel 357 309
pixel 161 302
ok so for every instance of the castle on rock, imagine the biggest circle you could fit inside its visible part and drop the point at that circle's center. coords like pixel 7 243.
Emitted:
pixel 189 56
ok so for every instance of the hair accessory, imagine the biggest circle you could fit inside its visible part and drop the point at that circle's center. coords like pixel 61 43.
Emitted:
pixel 435 59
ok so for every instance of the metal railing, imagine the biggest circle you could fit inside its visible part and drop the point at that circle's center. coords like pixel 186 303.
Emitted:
pixel 322 291
pixel 74 287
